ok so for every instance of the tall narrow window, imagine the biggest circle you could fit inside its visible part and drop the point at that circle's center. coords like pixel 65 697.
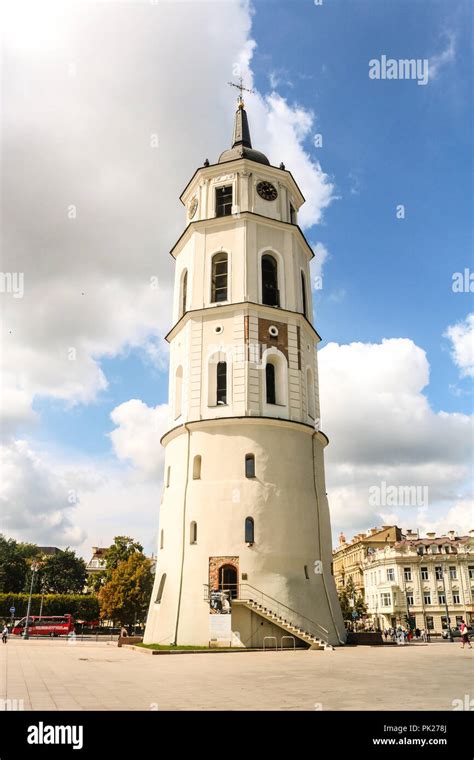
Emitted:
pixel 197 467
pixel 160 589
pixel 270 292
pixel 249 530
pixel 221 376
pixel 270 383
pixel 303 294
pixel 219 278
pixel 178 393
pixel 193 534
pixel 224 200
pixel 162 539
pixel 168 477
pixel 249 466
pixel 184 293
pixel 292 214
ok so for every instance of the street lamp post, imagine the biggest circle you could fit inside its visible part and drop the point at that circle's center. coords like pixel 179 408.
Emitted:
pixel 34 569
pixel 448 622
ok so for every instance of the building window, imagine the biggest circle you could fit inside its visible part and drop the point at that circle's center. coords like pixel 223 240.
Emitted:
pixel 407 573
pixel 292 214
pixel 270 292
pixel 434 549
pixel 270 383
pixel 193 537
pixel 221 383
pixel 184 293
pixel 441 597
pixel 224 200
pixel 444 623
pixel 430 622
pixel 178 393
pixel 306 573
pixel 410 601
pixel 390 574
pixel 168 477
pixel 456 597
pixel 439 573
pixel 427 597
pixel 197 467
pixel 162 539
pixel 219 277
pixel 452 572
pixel 385 600
pixel 160 589
pixel 471 572
pixel 303 294
pixel 249 530
pixel 424 573
pixel 249 466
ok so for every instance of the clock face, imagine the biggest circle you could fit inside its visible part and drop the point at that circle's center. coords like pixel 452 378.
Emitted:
pixel 193 207
pixel 267 191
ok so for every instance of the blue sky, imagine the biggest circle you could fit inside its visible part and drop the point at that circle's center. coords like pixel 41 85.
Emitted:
pixel 385 143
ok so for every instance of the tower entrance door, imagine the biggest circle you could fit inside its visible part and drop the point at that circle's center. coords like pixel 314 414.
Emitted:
pixel 228 580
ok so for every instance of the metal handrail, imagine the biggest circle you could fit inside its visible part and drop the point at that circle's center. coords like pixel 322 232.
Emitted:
pixel 323 632
pixel 313 628
pixel 288 637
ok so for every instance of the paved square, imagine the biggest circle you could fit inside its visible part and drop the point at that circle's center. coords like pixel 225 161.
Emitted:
pixel 54 675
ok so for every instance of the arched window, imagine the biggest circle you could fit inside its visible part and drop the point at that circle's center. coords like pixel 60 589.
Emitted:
pixel 270 387
pixel 197 467
pixel 249 466
pixel 249 530
pixel 221 383
pixel 303 294
pixel 162 539
pixel 193 534
pixel 184 293
pixel 160 589
pixel 219 278
pixel 270 292
pixel 178 393
pixel 310 393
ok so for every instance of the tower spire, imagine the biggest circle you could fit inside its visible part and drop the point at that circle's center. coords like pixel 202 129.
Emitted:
pixel 241 142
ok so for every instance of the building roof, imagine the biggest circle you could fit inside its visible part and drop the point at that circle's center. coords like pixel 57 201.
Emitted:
pixel 241 142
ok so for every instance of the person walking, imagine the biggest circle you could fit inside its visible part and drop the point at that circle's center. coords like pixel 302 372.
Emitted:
pixel 464 631
pixel 5 634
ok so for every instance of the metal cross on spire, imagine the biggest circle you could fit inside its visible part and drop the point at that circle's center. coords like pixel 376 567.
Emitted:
pixel 241 88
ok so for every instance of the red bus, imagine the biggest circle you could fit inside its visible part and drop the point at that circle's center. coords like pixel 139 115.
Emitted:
pixel 47 625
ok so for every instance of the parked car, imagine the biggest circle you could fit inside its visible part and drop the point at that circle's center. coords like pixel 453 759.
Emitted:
pixel 456 633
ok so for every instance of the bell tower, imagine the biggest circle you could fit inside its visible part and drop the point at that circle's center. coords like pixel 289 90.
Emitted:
pixel 244 545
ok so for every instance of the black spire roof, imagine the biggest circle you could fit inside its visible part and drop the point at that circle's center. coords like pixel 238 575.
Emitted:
pixel 241 142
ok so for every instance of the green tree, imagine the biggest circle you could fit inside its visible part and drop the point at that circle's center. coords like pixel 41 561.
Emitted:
pixel 351 601
pixel 63 573
pixel 15 559
pixel 122 548
pixel 126 595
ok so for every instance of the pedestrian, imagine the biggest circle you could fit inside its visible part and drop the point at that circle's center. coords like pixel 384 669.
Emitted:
pixel 464 631
pixel 5 634
pixel 417 633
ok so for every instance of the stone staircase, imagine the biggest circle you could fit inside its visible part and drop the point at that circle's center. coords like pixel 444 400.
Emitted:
pixel 292 629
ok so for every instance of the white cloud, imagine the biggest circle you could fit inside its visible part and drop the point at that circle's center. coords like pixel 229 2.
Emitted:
pixel 136 438
pixel 98 78
pixel 321 255
pixel 38 502
pixel 448 55
pixel 461 336
pixel 382 428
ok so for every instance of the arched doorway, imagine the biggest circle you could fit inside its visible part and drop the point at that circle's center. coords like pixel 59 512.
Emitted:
pixel 228 580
